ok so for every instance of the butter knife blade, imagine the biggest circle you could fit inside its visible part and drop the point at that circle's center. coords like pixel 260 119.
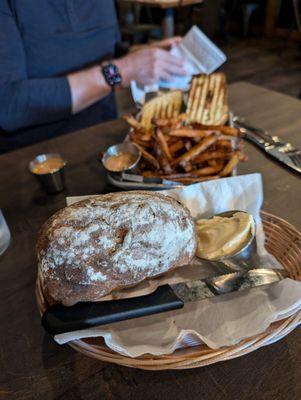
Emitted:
pixel 228 283
pixel 265 142
pixel 282 157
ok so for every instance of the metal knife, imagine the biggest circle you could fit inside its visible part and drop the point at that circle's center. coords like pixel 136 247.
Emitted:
pixel 272 145
pixel 61 319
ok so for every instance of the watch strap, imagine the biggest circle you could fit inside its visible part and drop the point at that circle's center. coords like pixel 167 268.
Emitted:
pixel 111 74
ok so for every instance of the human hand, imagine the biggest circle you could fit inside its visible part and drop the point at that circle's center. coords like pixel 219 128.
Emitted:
pixel 149 65
pixel 167 44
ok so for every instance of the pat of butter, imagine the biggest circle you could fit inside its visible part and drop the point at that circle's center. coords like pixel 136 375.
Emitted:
pixel 223 236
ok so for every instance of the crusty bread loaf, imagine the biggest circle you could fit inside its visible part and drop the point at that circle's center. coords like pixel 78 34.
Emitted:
pixel 207 100
pixel 87 250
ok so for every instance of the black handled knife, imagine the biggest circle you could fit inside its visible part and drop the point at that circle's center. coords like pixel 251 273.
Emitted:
pixel 61 319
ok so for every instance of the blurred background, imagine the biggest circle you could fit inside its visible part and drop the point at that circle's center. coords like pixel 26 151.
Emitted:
pixel 261 38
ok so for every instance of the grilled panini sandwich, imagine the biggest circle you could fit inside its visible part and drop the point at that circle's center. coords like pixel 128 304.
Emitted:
pixel 165 106
pixel 207 101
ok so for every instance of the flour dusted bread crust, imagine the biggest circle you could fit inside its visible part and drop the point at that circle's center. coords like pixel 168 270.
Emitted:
pixel 109 242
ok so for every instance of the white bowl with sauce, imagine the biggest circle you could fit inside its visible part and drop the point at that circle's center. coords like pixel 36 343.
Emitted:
pixel 121 157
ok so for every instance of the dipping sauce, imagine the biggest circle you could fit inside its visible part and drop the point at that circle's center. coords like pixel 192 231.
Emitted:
pixel 219 237
pixel 120 162
pixel 48 166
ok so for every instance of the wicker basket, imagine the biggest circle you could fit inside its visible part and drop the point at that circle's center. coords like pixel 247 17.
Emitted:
pixel 284 242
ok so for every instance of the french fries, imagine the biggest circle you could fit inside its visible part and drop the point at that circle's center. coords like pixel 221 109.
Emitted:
pixel 224 129
pixel 234 160
pixel 188 147
pixel 132 122
pixel 178 145
pixel 197 149
pixel 190 133
pixel 186 153
pixel 163 143
pixel 168 122
pixel 223 144
pixel 210 170
pixel 148 157
pixel 210 155
pixel 193 180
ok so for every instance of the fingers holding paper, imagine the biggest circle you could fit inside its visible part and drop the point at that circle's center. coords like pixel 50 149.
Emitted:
pixel 150 65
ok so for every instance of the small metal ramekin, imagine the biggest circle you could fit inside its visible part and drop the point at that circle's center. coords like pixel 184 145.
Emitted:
pixel 246 257
pixel 126 148
pixel 52 182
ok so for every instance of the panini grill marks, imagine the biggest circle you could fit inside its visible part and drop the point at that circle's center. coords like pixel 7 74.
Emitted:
pixel 222 108
pixel 191 97
pixel 165 106
pixel 212 107
pixel 196 98
pixel 201 109
pixel 207 102
pixel 170 110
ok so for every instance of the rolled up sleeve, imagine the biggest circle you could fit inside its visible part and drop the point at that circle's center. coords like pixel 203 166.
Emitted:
pixel 26 102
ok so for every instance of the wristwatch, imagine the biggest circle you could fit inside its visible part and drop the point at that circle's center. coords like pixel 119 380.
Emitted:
pixel 111 74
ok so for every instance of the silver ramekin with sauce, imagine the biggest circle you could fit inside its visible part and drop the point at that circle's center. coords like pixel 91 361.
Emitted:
pixel 48 169
pixel 121 157
pixel 229 238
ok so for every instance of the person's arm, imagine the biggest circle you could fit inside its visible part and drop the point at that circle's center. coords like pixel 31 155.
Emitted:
pixel 28 102
pixel 87 87
pixel 24 101
pixel 145 66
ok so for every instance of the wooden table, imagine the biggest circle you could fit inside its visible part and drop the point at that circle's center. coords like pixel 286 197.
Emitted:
pixel 168 7
pixel 32 366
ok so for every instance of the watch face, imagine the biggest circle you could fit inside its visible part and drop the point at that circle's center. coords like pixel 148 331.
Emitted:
pixel 111 74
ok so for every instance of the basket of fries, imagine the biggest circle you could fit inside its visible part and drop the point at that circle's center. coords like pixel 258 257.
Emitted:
pixel 184 143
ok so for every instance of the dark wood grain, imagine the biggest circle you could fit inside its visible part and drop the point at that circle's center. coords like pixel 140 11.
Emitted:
pixel 32 366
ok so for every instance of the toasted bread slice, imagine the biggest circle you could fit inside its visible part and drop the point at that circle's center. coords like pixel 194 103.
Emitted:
pixel 167 105
pixel 207 100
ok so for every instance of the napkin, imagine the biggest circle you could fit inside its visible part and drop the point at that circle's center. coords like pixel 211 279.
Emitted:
pixel 200 55
pixel 219 321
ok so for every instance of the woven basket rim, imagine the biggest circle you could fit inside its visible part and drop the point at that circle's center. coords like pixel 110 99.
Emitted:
pixel 201 355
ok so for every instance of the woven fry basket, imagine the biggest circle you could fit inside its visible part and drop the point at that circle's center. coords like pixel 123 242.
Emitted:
pixel 284 242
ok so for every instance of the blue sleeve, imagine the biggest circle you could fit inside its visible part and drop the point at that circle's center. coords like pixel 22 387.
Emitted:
pixel 26 102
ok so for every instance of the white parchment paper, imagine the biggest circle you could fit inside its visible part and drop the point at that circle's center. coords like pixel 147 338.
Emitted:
pixel 219 321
